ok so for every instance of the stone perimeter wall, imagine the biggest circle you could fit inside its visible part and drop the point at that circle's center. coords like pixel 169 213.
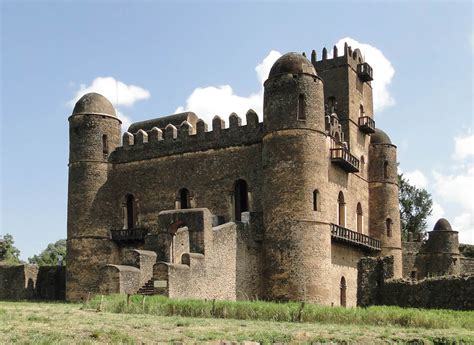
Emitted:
pixel 32 282
pixel 375 287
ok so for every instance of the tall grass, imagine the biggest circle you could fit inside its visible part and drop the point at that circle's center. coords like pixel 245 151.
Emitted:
pixel 288 312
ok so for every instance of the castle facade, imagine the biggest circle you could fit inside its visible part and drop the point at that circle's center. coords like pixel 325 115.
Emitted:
pixel 282 209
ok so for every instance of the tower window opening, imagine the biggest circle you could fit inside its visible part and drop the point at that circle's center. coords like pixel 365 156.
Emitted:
pixel 184 199
pixel 362 165
pixel 301 107
pixel 130 212
pixel 241 203
pixel 388 226
pixel 105 145
pixel 341 209
pixel 361 110
pixel 316 205
pixel 385 169
pixel 343 288
pixel 360 219
pixel 332 104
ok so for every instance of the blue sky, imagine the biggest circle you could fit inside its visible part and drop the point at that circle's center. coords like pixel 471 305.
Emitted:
pixel 183 54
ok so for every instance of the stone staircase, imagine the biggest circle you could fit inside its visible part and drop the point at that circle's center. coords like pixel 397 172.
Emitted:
pixel 147 289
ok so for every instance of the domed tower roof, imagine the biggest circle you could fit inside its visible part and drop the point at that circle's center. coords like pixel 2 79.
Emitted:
pixel 292 63
pixel 380 137
pixel 442 225
pixel 94 103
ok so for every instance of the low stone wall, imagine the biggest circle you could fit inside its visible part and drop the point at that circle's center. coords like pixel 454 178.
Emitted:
pixel 372 272
pixel 32 282
pixel 449 292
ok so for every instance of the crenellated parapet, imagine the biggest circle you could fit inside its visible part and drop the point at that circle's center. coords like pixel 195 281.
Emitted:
pixel 349 56
pixel 152 143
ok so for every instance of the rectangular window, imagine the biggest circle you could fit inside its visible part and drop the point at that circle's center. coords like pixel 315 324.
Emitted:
pixel 301 108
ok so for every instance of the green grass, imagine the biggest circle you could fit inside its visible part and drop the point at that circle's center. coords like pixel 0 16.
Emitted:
pixel 68 323
pixel 287 312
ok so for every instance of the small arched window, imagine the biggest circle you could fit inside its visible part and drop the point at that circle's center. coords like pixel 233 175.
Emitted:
pixel 130 212
pixel 332 104
pixel 343 288
pixel 341 209
pixel 362 165
pixel 361 110
pixel 241 203
pixel 105 145
pixel 316 201
pixel 184 199
pixel 360 219
pixel 301 107
pixel 388 226
pixel 385 169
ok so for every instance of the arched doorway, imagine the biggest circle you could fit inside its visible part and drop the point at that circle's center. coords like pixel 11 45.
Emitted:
pixel 341 209
pixel 241 203
pixel 360 222
pixel 343 288
pixel 184 199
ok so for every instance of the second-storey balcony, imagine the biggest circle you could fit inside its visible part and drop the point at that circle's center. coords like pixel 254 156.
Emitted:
pixel 366 124
pixel 341 234
pixel 342 157
pixel 364 71
pixel 129 235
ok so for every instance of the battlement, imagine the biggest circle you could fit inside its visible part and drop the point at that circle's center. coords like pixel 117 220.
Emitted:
pixel 153 143
pixel 353 58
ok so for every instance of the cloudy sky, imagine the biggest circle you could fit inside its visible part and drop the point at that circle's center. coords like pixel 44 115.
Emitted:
pixel 152 59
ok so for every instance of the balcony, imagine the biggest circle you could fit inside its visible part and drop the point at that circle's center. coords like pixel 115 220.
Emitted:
pixel 129 235
pixel 341 234
pixel 342 157
pixel 366 125
pixel 364 71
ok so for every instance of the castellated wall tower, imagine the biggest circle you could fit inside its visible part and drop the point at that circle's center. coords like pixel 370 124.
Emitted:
pixel 384 215
pixel 94 132
pixel 297 243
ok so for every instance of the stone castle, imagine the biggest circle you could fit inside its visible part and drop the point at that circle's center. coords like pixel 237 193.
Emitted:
pixel 283 209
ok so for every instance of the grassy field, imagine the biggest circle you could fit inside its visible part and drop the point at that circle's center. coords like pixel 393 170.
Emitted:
pixel 52 323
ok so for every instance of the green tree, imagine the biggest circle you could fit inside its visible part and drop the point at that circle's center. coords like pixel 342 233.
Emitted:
pixel 415 207
pixel 9 254
pixel 51 256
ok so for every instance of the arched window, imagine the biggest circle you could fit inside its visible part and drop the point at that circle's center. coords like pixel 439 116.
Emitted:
pixel 105 145
pixel 360 219
pixel 341 209
pixel 316 204
pixel 362 165
pixel 343 288
pixel 332 104
pixel 241 203
pixel 184 199
pixel 388 226
pixel 361 110
pixel 130 212
pixel 301 107
pixel 385 169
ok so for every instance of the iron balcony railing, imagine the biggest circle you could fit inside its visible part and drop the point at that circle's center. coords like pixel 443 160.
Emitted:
pixel 364 71
pixel 342 157
pixel 129 235
pixel 341 234
pixel 366 124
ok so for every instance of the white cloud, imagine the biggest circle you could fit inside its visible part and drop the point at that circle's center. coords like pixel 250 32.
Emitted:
pixel 209 101
pixel 464 223
pixel 416 178
pixel 456 188
pixel 463 147
pixel 116 91
pixel 437 212
pixel 383 72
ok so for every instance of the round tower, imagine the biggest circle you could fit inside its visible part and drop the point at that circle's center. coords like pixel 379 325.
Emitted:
pixel 297 241
pixel 94 132
pixel 384 210
pixel 439 255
